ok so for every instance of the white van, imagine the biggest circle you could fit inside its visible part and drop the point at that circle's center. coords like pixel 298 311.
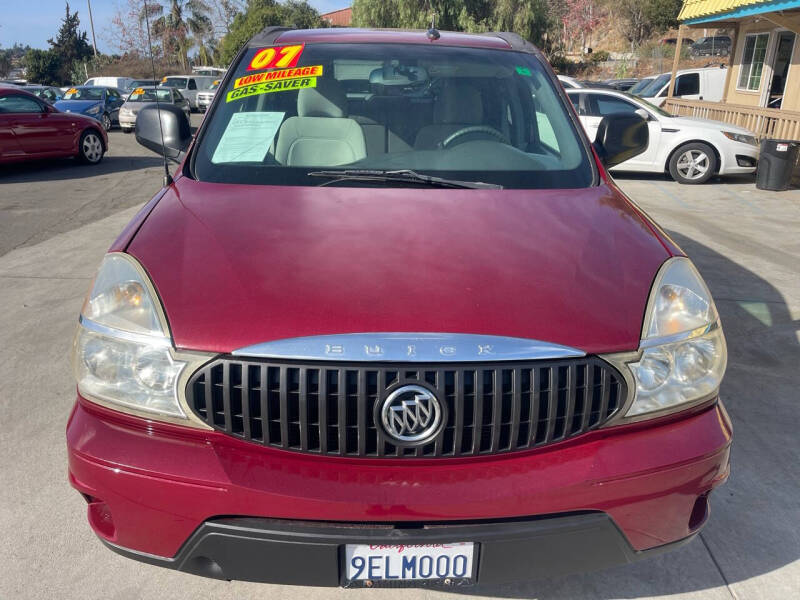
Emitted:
pixel 690 84
pixel 189 85
pixel 123 83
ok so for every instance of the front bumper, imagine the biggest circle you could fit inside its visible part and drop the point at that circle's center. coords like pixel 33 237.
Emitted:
pixel 155 491
pixel 311 553
pixel 127 121
pixel 738 158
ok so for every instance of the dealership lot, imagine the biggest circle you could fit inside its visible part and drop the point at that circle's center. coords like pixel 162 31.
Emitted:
pixel 56 221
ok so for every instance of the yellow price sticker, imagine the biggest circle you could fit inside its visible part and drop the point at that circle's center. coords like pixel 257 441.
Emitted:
pixel 138 92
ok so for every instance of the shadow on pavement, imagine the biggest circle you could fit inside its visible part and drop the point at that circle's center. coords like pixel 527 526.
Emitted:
pixel 715 180
pixel 68 168
pixel 753 526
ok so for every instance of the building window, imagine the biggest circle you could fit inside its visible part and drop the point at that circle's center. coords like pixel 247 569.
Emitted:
pixel 755 50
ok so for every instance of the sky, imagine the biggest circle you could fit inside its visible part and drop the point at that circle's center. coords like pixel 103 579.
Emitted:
pixel 32 22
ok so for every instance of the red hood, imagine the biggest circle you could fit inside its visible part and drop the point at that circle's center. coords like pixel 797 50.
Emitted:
pixel 236 265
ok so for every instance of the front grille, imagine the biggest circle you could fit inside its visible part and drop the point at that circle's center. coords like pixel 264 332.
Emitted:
pixel 330 408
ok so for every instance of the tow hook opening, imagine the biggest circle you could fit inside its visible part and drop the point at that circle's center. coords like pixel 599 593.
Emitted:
pixel 100 518
pixel 700 512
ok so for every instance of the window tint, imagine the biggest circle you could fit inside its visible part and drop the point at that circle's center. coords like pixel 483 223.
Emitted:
pixel 13 103
pixel 609 105
pixel 575 98
pixel 175 82
pixel 192 84
pixel 84 93
pixel 755 50
pixel 687 84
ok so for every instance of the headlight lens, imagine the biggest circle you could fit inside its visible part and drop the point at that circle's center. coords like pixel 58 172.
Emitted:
pixel 123 351
pixel 740 137
pixel 683 352
pixel 93 110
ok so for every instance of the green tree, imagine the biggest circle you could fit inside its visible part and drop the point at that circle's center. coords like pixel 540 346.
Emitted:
pixel 5 62
pixel 69 45
pixel 263 13
pixel 663 14
pixel 176 26
pixel 44 66
pixel 534 20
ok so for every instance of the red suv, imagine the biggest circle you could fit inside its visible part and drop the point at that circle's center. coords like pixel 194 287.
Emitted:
pixel 393 322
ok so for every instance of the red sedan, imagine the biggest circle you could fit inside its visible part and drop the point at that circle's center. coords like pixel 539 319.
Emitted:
pixel 30 129
pixel 393 322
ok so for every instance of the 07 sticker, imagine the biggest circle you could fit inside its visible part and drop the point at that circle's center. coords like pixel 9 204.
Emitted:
pixel 295 73
pixel 267 87
pixel 276 57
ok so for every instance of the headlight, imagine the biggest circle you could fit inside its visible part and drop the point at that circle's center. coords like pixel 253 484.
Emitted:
pixel 683 352
pixel 126 111
pixel 740 137
pixel 123 354
pixel 93 110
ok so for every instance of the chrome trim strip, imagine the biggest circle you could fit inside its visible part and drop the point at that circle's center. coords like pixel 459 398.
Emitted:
pixel 679 337
pixel 141 338
pixel 409 347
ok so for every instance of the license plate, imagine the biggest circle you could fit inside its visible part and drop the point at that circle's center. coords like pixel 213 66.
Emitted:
pixel 384 562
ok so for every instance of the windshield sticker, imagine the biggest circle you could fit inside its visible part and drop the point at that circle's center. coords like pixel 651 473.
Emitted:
pixel 276 57
pixel 137 92
pixel 70 91
pixel 295 73
pixel 524 71
pixel 271 86
pixel 247 137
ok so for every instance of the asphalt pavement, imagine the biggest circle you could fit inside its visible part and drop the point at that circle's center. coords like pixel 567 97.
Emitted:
pixel 56 222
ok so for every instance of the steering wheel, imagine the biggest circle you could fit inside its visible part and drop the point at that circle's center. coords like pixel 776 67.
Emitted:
pixel 484 129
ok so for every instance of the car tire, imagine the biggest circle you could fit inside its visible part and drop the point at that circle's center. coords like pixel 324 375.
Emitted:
pixel 126 129
pixel 106 121
pixel 693 163
pixel 90 147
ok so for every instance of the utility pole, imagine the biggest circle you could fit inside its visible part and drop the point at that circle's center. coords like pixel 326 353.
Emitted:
pixel 91 22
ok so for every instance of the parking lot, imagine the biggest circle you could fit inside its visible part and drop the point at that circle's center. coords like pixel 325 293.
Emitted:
pixel 56 221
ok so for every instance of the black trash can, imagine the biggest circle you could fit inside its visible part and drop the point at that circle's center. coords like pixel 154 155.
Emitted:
pixel 776 162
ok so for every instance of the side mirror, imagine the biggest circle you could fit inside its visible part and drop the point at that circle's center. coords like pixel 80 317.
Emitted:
pixel 620 137
pixel 153 119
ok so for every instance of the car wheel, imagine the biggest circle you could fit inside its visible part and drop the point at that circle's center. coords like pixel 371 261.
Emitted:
pixel 693 163
pixel 126 129
pixel 106 121
pixel 90 147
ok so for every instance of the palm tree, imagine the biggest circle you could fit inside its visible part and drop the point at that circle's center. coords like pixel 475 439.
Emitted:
pixel 175 27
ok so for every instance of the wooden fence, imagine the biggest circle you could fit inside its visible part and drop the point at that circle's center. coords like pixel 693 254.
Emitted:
pixel 764 122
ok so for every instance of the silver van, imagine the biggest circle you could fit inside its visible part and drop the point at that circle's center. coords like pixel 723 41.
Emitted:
pixel 189 85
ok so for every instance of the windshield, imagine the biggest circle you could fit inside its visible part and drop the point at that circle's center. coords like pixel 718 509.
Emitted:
pixel 655 86
pixel 149 95
pixel 640 86
pixel 84 93
pixel 175 82
pixel 467 114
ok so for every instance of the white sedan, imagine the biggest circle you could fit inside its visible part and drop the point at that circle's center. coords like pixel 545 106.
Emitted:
pixel 690 149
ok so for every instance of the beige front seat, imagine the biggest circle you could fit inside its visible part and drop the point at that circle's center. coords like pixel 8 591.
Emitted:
pixel 459 105
pixel 320 135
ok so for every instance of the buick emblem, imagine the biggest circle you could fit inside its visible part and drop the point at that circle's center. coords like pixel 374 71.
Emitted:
pixel 411 415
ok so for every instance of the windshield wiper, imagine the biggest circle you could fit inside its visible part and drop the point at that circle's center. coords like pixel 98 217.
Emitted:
pixel 405 175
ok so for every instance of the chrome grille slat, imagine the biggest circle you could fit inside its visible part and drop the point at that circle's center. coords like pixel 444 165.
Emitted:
pixel 321 407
